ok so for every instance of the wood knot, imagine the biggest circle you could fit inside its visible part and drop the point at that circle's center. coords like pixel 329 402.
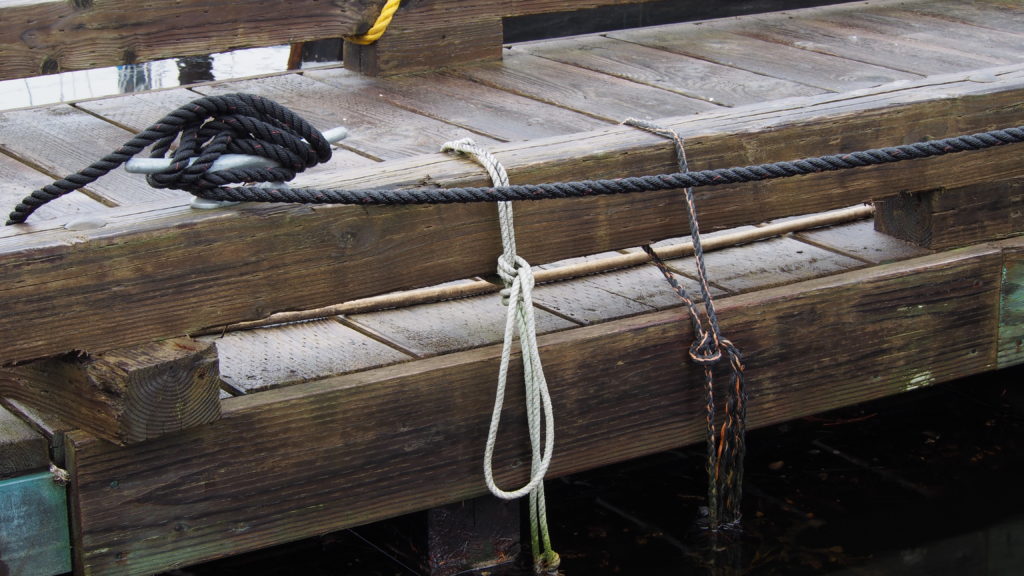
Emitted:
pixel 49 66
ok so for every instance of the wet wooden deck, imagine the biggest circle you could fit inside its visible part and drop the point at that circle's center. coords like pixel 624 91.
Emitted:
pixel 309 393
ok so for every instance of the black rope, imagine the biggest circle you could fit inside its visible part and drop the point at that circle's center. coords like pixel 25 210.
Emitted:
pixel 247 124
pixel 205 129
pixel 726 442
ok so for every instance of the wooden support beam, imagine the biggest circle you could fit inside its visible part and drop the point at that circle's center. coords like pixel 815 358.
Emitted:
pixel 1011 309
pixel 946 218
pixel 126 395
pixel 48 36
pixel 312 458
pixel 154 275
pixel 22 449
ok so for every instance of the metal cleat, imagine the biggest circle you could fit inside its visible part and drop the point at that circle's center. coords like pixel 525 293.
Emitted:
pixel 225 162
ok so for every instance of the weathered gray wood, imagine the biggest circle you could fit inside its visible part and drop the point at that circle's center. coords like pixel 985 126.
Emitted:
pixel 762 57
pixel 377 129
pixel 48 36
pixel 22 449
pixel 446 327
pixel 687 76
pixel 259 359
pixel 574 88
pixel 832 39
pixel 169 282
pixel 957 216
pixel 495 113
pixel 860 240
pixel 20 180
pixel 126 395
pixel 621 389
pixel 61 140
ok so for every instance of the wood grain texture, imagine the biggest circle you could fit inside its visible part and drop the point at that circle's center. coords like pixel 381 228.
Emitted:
pixel 621 389
pixel 690 77
pixel 254 360
pixel 763 57
pixel 293 257
pixel 61 140
pixel 125 395
pixel 607 97
pixel 51 36
pixel 1011 311
pixel 377 129
pixel 860 240
pixel 446 327
pixel 495 113
pixel 20 180
pixel 835 40
pixel 22 449
pixel 952 217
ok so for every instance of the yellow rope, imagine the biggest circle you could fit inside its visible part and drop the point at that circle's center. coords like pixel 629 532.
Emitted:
pixel 378 28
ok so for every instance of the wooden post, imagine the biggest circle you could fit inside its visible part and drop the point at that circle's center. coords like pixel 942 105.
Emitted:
pixel 482 533
pixel 951 217
pixel 426 35
pixel 126 395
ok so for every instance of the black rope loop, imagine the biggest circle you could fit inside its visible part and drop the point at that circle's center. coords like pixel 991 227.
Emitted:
pixel 206 129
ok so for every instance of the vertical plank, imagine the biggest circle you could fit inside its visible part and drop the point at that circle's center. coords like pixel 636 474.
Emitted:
pixel 34 538
pixel 1011 308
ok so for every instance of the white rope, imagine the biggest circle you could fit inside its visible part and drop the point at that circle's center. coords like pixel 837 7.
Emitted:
pixel 516 274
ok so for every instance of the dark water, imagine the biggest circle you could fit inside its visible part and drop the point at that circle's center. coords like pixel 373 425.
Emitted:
pixel 926 483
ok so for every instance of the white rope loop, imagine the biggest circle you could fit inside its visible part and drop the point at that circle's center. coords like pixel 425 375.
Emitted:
pixel 517 276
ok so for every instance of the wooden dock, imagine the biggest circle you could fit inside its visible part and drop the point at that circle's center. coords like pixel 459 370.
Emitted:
pixel 187 438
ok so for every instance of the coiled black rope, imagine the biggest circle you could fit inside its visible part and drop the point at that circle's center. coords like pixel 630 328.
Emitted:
pixel 248 124
pixel 206 128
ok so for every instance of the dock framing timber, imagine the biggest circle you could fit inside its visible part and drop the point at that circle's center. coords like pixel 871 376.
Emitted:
pixel 316 457
pixel 186 440
pixel 282 257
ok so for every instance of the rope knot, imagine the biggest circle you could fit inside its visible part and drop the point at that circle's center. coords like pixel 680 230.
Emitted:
pixel 704 351
pixel 510 269
pixel 547 564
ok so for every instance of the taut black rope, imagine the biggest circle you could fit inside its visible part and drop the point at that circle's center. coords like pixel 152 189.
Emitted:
pixel 248 124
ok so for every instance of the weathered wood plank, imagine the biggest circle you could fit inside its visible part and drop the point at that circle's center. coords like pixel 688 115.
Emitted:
pixel 621 389
pixel 22 449
pixel 495 113
pixel 377 129
pixel 951 217
pixel 259 359
pixel 833 39
pixel 126 395
pixel 445 327
pixel 1011 311
pixel 691 77
pixel 48 36
pixel 1004 16
pixel 20 180
pixel 169 282
pixel 759 56
pixel 860 240
pixel 613 99
pixel 34 526
pixel 61 140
